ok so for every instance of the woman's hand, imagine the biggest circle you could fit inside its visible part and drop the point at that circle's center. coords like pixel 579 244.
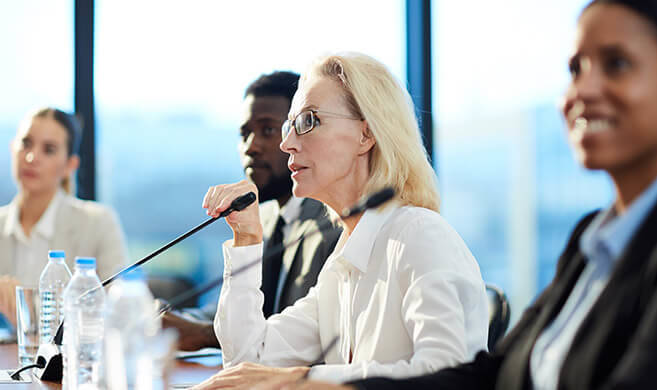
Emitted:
pixel 245 224
pixel 246 375
pixel 8 297
pixel 283 383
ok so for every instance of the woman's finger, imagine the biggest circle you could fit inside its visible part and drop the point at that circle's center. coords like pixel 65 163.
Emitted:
pixel 215 198
pixel 207 196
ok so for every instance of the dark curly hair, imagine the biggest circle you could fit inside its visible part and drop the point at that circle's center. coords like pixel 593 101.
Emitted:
pixel 279 83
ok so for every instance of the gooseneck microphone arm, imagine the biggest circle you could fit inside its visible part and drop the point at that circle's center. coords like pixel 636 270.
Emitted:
pixel 238 204
pixel 197 292
pixel 374 200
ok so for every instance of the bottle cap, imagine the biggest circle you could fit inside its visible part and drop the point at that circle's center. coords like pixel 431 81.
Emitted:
pixel 56 254
pixel 135 274
pixel 85 262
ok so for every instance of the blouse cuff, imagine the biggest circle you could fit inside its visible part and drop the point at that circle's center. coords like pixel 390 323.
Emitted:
pixel 242 264
pixel 332 373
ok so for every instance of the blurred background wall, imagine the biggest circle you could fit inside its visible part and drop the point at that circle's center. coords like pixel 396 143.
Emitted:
pixel 168 80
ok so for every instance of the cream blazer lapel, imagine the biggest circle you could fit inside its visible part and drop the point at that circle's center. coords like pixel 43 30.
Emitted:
pixel 86 228
pixel 68 228
pixel 7 245
pixel 63 238
pixel 81 229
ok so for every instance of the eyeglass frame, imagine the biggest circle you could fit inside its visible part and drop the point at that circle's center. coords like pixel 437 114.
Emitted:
pixel 290 123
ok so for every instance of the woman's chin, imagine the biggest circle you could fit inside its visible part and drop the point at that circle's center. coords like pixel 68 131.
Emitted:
pixel 302 190
pixel 30 186
pixel 36 188
pixel 298 190
pixel 593 162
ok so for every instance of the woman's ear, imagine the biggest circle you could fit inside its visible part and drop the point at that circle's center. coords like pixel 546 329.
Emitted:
pixel 72 164
pixel 367 140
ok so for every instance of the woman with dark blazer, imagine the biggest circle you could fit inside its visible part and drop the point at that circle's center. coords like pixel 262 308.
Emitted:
pixel 595 325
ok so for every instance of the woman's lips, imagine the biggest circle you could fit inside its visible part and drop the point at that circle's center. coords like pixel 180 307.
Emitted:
pixel 29 174
pixel 297 173
pixel 296 169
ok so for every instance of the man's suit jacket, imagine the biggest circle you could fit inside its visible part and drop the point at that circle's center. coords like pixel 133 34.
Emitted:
pixel 82 228
pixel 302 261
pixel 614 348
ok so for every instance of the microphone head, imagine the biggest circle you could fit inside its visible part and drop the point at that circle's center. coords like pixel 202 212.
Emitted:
pixel 239 204
pixel 243 201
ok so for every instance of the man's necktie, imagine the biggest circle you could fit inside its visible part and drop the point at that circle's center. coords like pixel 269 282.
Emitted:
pixel 271 267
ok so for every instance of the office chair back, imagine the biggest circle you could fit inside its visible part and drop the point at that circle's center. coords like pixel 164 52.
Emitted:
pixel 499 314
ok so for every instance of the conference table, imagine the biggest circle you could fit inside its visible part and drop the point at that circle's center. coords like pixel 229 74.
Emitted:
pixel 183 374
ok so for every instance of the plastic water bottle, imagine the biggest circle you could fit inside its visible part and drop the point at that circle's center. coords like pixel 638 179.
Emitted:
pixel 130 328
pixel 84 312
pixel 53 280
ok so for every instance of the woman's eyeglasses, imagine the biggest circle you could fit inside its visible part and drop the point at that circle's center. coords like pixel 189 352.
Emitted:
pixel 305 121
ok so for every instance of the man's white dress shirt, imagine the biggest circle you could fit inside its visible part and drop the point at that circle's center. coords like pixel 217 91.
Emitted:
pixel 290 212
pixel 403 294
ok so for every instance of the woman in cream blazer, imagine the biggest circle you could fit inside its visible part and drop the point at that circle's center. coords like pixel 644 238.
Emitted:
pixel 44 215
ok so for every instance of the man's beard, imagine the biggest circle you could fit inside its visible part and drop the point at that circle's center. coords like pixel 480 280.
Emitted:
pixel 276 187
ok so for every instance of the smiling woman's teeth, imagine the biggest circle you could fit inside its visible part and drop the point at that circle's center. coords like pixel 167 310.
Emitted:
pixel 591 126
pixel 599 125
pixel 580 125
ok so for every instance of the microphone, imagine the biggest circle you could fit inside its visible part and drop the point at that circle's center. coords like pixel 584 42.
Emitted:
pixel 238 204
pixel 49 358
pixel 374 200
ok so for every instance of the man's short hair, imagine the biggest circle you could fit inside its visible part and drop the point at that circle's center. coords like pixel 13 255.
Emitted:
pixel 280 83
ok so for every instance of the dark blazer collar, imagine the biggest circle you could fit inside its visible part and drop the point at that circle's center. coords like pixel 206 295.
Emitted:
pixel 602 338
pixel 515 349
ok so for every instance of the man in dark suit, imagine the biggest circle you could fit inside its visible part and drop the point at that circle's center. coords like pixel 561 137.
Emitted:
pixel 289 275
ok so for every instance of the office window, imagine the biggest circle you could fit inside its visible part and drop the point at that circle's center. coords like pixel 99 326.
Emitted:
pixel 36 38
pixel 169 84
pixel 510 184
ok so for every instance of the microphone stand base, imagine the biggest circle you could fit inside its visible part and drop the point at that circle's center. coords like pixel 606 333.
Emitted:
pixel 54 368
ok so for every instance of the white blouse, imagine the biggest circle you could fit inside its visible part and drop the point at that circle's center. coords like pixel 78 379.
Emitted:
pixel 31 252
pixel 403 293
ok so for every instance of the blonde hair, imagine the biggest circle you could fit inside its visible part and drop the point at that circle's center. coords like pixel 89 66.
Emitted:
pixel 398 159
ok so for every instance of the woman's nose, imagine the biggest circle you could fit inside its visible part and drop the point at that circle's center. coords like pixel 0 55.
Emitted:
pixel 584 89
pixel 290 142
pixel 29 157
pixel 589 82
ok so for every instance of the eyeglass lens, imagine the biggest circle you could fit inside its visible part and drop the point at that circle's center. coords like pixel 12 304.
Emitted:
pixel 303 123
